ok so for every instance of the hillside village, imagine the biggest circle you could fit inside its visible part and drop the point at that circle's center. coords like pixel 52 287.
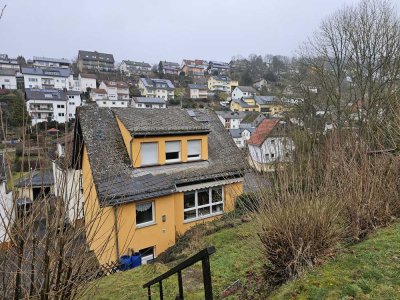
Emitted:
pixel 205 179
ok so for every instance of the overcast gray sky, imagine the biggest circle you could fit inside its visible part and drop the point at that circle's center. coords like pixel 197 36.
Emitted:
pixel 153 30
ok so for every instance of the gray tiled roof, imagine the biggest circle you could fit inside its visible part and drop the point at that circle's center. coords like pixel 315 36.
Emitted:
pixel 197 86
pixel 153 122
pixel 265 99
pixel 137 64
pixel 8 72
pixel 46 94
pixel 244 104
pixel 117 182
pixel 95 56
pixel 247 89
pixel 231 114
pixel 221 78
pixel 157 83
pixel 37 179
pixel 149 100
pixel 54 60
pixel 54 72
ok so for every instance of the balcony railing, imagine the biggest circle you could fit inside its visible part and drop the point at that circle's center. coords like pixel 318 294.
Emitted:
pixel 204 257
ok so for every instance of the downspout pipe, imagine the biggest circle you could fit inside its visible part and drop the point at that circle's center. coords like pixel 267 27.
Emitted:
pixel 115 208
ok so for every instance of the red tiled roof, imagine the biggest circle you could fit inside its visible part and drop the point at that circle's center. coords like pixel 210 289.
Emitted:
pixel 262 132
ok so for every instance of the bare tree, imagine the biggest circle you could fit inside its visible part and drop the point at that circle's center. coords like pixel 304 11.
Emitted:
pixel 354 58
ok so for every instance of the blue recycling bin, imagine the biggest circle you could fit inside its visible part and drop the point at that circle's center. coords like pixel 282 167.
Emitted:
pixel 136 259
pixel 125 263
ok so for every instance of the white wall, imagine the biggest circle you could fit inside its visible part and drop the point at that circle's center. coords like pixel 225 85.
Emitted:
pixel 74 101
pixel 274 149
pixel 9 82
pixel 58 111
pixel 6 211
pixel 112 103
pixel 67 185
pixel 84 83
pixel 35 81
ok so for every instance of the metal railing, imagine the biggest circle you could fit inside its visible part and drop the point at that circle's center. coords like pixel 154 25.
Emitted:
pixel 204 257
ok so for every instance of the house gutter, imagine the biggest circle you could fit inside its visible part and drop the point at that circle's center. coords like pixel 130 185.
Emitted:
pixel 115 208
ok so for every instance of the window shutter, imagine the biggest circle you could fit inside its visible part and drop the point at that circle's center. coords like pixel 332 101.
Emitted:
pixel 149 153
pixel 194 147
pixel 172 147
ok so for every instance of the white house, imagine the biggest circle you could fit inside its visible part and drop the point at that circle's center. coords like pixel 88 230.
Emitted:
pixel 8 79
pixel 48 78
pixel 134 67
pixel 8 63
pixel 241 136
pixel 156 88
pixel 87 81
pixel 116 90
pixel 44 62
pixel 198 91
pixel 67 180
pixel 260 84
pixel 51 104
pixel 6 203
pixel 269 146
pixel 98 94
pixel 112 103
pixel 231 119
pixel 144 102
pixel 243 92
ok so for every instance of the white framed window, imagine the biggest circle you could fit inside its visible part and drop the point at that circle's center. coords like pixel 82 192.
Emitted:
pixel 172 151
pixel 194 149
pixel 147 254
pixel 144 214
pixel 203 203
pixel 149 154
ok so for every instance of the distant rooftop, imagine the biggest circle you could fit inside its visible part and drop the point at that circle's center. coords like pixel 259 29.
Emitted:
pixel 51 71
pixel 53 60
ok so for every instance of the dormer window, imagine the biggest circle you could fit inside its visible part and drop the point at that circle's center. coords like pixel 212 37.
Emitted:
pixel 194 149
pixel 172 151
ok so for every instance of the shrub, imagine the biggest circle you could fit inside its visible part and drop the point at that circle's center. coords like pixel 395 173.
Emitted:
pixel 296 233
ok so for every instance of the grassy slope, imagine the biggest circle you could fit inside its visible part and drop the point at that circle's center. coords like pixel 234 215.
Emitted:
pixel 237 253
pixel 369 270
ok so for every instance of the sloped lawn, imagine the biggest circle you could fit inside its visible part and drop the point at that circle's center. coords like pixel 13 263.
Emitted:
pixel 368 270
pixel 238 251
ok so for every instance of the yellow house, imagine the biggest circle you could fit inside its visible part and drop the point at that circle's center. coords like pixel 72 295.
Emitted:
pixel 245 104
pixel 270 105
pixel 222 83
pixel 150 175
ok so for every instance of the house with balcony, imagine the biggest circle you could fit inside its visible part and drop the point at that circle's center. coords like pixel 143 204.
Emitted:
pixel 95 61
pixel 100 96
pixel 218 68
pixel 9 63
pixel 222 84
pixel 129 68
pixel 116 90
pixel 244 104
pixel 45 105
pixel 269 146
pixel 240 92
pixel 87 81
pixel 194 68
pixel 48 78
pixel 46 62
pixel 149 175
pixel 156 88
pixel 144 102
pixel 169 68
pixel 8 79
pixel 198 91
pixel 271 106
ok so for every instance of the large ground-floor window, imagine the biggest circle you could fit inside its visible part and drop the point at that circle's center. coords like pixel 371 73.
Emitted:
pixel 203 203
